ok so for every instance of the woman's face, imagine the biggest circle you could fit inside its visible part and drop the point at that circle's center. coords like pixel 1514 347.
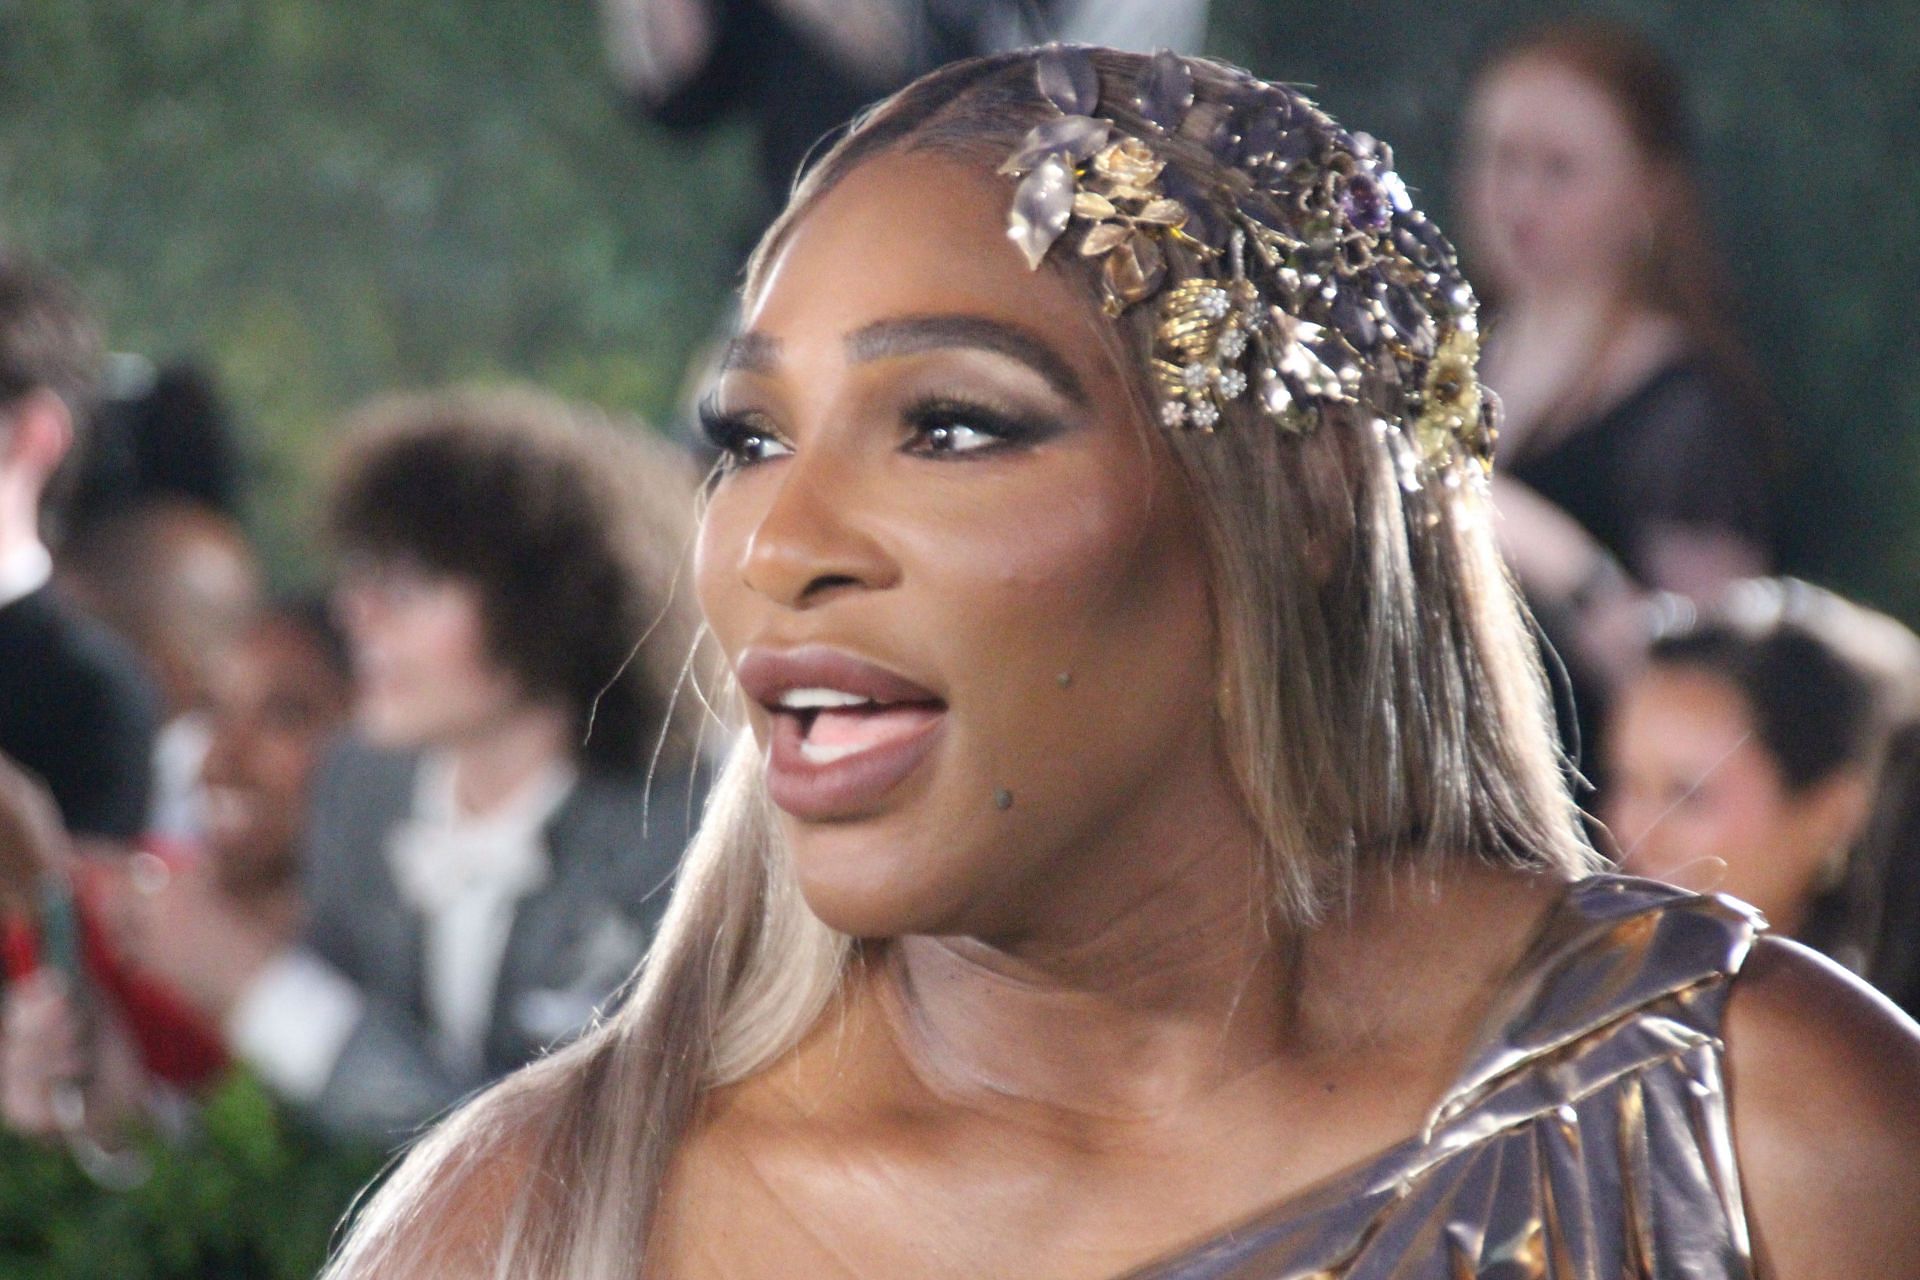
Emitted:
pixel 1558 193
pixel 424 676
pixel 274 702
pixel 1695 799
pixel 944 513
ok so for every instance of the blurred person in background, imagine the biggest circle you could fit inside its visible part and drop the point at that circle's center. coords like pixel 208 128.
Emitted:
pixel 1635 446
pixel 179 582
pixel 1745 756
pixel 132 1027
pixel 74 709
pixel 802 68
pixel 487 859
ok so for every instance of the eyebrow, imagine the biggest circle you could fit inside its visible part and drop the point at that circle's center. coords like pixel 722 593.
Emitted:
pixel 915 334
pixel 758 353
pixel 750 353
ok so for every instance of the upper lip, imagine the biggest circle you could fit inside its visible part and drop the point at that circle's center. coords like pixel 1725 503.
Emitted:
pixel 767 675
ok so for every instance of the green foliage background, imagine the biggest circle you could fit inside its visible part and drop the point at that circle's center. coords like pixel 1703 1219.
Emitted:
pixel 248 1195
pixel 326 198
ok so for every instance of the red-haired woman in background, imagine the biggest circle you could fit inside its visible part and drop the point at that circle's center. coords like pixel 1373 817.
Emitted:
pixel 1635 445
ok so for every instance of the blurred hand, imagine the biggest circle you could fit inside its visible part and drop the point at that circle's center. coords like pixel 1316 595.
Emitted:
pixel 45 1047
pixel 181 927
pixel 655 46
pixel 32 839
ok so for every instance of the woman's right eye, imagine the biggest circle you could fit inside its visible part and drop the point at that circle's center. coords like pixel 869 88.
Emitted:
pixel 740 440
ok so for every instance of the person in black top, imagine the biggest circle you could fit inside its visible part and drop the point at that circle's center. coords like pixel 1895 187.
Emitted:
pixel 74 708
pixel 1636 445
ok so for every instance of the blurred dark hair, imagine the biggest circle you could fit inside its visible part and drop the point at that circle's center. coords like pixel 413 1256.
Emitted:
pixel 1684 274
pixel 572 532
pixel 158 433
pixel 1812 711
pixel 1823 678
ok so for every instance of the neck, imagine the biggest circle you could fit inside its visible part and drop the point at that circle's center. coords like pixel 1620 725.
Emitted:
pixel 495 764
pixel 1154 977
pixel 1174 1005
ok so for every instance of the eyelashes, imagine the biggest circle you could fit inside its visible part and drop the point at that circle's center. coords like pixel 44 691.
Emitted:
pixel 934 426
pixel 948 425
pixel 741 439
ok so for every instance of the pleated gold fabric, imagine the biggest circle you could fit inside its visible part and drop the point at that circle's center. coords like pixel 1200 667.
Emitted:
pixel 1588 1137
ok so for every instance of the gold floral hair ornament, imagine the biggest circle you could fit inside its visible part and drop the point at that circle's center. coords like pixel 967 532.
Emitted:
pixel 1314 280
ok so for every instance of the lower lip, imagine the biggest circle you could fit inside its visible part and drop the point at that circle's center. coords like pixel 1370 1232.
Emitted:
pixel 850 787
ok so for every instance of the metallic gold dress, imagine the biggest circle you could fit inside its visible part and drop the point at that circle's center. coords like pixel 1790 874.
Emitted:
pixel 1588 1138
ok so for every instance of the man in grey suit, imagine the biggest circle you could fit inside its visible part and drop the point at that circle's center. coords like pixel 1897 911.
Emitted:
pixel 489 855
pixel 572 941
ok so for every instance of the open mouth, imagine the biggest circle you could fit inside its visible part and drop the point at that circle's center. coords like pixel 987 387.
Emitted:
pixel 845 732
pixel 826 726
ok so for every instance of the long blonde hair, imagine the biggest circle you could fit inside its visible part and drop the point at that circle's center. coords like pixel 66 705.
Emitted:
pixel 1383 701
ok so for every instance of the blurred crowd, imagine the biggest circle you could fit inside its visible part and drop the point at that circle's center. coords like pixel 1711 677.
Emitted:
pixel 383 842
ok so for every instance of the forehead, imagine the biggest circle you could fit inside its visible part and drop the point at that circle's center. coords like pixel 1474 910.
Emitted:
pixel 914 234
pixel 1678 711
pixel 1539 99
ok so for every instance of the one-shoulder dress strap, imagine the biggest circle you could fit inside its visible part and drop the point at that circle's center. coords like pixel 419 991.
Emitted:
pixel 1617 948
pixel 1588 1136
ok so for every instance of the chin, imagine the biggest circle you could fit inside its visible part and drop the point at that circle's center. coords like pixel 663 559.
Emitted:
pixel 384 725
pixel 878 889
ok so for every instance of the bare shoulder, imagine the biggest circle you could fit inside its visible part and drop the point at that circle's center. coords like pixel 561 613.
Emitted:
pixel 1824 1080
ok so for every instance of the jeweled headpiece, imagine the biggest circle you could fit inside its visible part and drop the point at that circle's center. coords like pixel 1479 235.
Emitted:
pixel 1316 281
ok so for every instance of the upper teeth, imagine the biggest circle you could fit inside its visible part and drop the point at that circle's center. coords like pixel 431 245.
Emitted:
pixel 815 699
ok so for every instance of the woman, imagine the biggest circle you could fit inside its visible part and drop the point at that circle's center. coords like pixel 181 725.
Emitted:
pixel 277 695
pixel 1635 443
pixel 1150 797
pixel 486 859
pixel 1745 757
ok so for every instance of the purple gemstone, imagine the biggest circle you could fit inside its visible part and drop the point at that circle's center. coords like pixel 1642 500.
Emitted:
pixel 1365 204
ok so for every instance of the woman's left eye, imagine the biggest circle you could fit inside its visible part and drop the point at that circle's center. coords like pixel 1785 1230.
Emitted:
pixel 951 428
pixel 955 437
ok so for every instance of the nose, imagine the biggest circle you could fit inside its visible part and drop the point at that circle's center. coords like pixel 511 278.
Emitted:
pixel 813 541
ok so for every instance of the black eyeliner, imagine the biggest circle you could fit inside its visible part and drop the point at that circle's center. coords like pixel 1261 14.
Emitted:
pixel 1010 429
pixel 719 429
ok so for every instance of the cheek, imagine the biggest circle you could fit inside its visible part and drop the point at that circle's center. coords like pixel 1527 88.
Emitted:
pixel 716 557
pixel 1079 638
pixel 447 662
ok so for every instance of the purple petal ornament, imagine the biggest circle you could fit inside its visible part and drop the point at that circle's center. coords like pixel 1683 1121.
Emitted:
pixel 1067 79
pixel 1042 205
pixel 1076 137
pixel 1260 138
pixel 1165 90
